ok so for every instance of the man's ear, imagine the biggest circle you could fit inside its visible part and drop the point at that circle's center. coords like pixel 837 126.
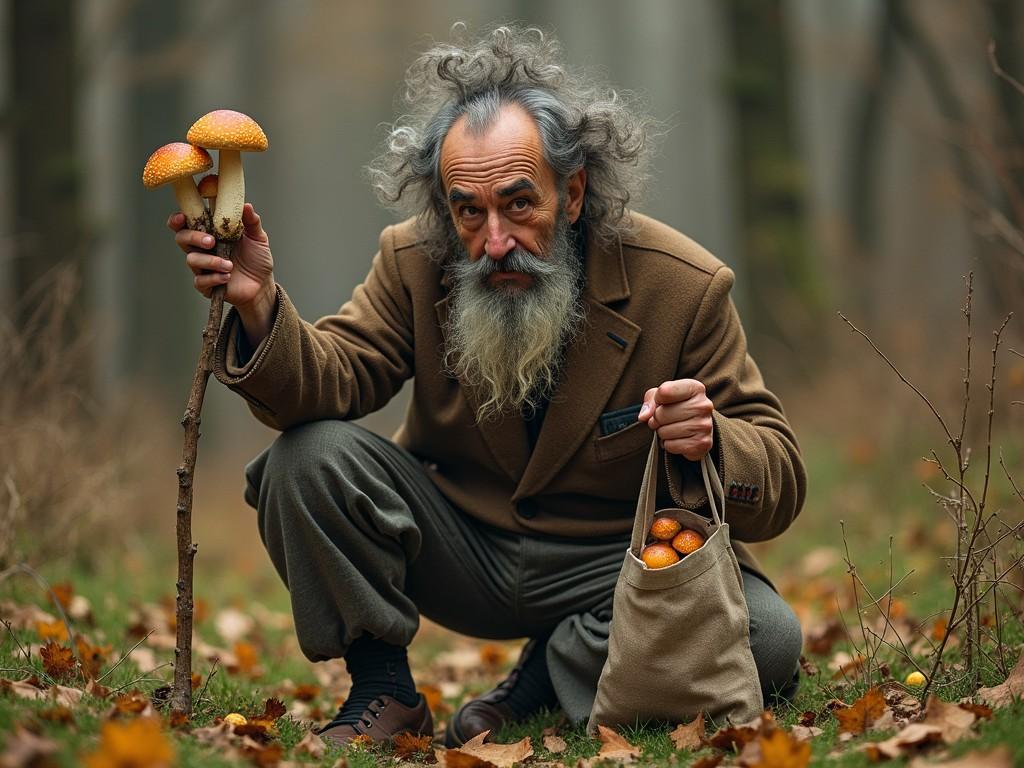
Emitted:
pixel 574 188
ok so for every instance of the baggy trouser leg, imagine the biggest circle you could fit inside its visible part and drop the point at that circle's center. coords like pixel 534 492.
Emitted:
pixel 334 504
pixel 579 646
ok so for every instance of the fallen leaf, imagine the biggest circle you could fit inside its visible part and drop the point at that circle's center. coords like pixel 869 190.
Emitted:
pixel 56 714
pixel 262 755
pixel 493 655
pixel 708 761
pixel 1011 688
pixel 52 630
pixel 808 718
pixel 314 746
pixel 780 750
pixel 731 737
pixel 63 591
pixel 689 736
pixel 23 616
pixel 362 741
pixel 910 740
pixel 25 749
pixel 91 657
pixel 306 692
pixel 65 696
pixel 500 755
pixel 246 660
pixel 435 701
pixel 58 660
pixel 453 758
pixel 408 744
pixel 79 609
pixel 135 743
pixel 131 703
pixel 614 746
pixel 954 721
pixel 218 735
pixel 555 744
pixel 981 711
pixel 856 718
pixel 232 625
pixel 272 710
pixel 999 757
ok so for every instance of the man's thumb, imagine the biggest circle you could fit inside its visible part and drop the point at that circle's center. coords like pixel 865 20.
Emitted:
pixel 253 225
pixel 647 409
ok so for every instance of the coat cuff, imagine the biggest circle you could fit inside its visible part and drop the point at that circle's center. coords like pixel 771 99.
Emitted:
pixel 231 366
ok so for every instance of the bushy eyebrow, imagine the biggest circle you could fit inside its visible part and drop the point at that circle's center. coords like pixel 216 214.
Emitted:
pixel 458 196
pixel 522 185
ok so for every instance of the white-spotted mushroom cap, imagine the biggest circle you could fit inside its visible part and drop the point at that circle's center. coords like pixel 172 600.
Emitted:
pixel 208 186
pixel 227 129
pixel 175 161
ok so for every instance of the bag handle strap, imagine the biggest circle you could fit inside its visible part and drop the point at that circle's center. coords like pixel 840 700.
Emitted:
pixel 649 490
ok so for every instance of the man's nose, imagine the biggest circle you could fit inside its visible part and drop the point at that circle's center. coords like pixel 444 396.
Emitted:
pixel 499 242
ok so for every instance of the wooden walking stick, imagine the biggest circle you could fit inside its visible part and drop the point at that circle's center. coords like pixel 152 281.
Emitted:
pixel 176 163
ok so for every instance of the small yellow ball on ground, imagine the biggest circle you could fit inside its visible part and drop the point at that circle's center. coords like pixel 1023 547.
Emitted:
pixel 233 719
pixel 915 679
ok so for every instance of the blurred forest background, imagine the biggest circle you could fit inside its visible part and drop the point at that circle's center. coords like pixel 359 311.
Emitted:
pixel 851 155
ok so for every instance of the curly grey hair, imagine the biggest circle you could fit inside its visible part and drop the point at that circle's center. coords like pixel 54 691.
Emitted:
pixel 582 124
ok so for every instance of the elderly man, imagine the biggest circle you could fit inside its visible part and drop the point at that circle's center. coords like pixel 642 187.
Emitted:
pixel 548 331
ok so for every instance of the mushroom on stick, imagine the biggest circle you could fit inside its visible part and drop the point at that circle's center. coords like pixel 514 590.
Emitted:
pixel 208 191
pixel 230 133
pixel 176 163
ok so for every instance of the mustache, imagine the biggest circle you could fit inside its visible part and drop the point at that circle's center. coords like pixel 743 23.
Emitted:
pixel 517 260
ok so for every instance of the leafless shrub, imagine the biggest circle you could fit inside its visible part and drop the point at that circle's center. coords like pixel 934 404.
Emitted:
pixel 61 467
pixel 983 559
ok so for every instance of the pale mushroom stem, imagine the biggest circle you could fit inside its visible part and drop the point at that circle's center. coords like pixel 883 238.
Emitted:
pixel 191 205
pixel 230 196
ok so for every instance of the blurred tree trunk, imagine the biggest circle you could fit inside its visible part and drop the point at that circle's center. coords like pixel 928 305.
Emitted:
pixel 45 209
pixel 784 287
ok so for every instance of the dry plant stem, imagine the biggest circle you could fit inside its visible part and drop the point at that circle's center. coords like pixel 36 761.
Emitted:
pixel 28 571
pixel 181 692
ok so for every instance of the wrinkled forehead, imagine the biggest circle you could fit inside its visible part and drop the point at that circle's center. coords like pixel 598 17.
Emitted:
pixel 509 147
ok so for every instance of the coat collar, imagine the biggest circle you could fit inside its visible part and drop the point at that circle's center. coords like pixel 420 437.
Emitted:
pixel 593 366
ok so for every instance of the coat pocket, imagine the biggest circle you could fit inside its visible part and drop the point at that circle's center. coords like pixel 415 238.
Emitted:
pixel 626 442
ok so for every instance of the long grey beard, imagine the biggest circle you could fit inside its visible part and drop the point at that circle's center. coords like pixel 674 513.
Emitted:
pixel 509 345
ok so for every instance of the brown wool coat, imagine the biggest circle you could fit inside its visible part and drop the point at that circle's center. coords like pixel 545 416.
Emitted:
pixel 658 308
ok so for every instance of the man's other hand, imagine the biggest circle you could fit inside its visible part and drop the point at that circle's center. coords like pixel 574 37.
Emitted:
pixel 680 412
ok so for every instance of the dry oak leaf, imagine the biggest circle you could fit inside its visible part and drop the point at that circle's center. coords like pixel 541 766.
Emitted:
pixel 58 660
pixel 690 735
pixel 856 718
pixel 554 744
pixel 91 656
pixel 708 761
pixel 25 749
pixel 312 745
pixel 306 691
pixel 500 755
pixel 994 758
pixel 954 721
pixel 262 755
pixel 138 743
pixel 56 714
pixel 730 737
pixel 780 750
pixel 1011 688
pixel 493 655
pixel 909 741
pixel 614 746
pixel 63 592
pixel 131 703
pixel 805 732
pixel 453 758
pixel 408 744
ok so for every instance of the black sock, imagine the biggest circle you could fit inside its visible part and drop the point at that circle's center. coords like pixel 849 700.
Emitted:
pixel 533 690
pixel 377 668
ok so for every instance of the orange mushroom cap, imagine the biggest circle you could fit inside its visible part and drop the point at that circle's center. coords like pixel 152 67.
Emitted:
pixel 208 186
pixel 227 129
pixel 175 161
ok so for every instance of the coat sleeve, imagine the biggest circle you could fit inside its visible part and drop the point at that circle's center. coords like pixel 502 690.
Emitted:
pixel 343 366
pixel 754 446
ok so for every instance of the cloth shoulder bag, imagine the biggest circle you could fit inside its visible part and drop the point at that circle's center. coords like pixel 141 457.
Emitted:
pixel 679 641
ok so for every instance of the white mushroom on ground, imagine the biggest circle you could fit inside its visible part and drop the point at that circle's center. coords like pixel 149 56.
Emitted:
pixel 175 164
pixel 208 191
pixel 231 133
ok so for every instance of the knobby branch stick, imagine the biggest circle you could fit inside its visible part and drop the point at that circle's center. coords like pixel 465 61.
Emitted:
pixel 181 691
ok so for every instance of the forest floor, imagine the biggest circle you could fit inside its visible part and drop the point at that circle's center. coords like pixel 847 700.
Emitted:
pixel 849 711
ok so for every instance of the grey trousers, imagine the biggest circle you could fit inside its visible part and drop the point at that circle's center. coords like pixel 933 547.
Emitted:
pixel 366 544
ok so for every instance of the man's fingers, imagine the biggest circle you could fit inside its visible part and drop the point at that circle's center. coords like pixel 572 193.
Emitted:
pixel 681 430
pixel 697 408
pixel 205 282
pixel 188 239
pixel 175 221
pixel 691 448
pixel 206 262
pixel 678 390
pixel 253 224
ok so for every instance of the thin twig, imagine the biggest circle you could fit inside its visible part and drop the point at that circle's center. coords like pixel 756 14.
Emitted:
pixel 14 637
pixel 1000 71
pixel 144 678
pixel 125 656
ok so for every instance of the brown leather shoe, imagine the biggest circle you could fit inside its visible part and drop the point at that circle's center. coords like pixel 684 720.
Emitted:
pixel 383 719
pixel 487 712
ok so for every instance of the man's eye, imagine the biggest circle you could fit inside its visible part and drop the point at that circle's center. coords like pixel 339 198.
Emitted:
pixel 520 204
pixel 469 210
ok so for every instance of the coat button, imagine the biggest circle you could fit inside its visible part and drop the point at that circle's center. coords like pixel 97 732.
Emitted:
pixel 527 508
